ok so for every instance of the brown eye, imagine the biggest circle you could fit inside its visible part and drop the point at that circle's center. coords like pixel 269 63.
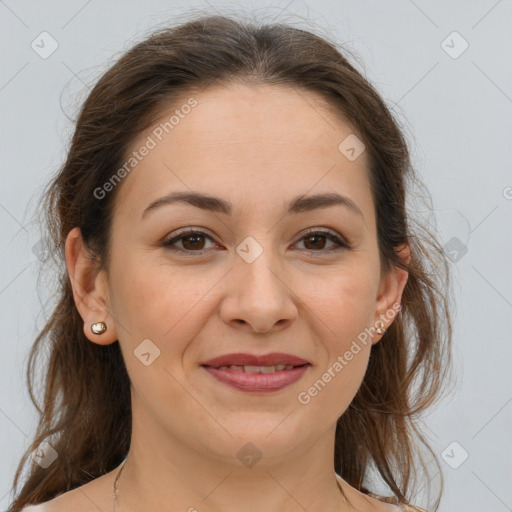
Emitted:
pixel 315 241
pixel 191 242
pixel 318 241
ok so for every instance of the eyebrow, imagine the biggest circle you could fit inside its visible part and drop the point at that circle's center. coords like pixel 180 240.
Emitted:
pixel 299 204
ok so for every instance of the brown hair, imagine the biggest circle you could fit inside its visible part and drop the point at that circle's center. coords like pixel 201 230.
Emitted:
pixel 86 411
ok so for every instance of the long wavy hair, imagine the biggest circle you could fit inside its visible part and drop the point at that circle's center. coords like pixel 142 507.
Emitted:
pixel 86 412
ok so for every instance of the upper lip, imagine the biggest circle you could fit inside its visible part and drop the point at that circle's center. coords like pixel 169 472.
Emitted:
pixel 242 359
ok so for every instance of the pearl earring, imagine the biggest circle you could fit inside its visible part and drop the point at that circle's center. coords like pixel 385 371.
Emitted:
pixel 99 327
pixel 381 329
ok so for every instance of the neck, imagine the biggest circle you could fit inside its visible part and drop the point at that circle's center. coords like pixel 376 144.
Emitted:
pixel 179 478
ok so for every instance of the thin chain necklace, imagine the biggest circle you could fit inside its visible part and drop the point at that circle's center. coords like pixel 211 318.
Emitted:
pixel 116 485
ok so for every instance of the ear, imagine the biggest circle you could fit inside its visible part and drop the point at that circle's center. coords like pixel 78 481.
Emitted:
pixel 90 288
pixel 389 297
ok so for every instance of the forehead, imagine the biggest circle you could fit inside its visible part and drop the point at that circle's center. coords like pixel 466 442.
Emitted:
pixel 261 141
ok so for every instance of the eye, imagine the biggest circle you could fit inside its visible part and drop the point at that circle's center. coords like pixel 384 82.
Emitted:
pixel 193 242
pixel 318 238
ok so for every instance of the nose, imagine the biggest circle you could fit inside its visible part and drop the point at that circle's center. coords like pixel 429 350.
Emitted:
pixel 258 297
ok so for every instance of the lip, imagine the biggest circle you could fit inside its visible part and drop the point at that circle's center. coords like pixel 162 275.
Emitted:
pixel 257 382
pixel 242 359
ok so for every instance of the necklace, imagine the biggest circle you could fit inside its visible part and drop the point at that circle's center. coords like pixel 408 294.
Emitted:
pixel 115 487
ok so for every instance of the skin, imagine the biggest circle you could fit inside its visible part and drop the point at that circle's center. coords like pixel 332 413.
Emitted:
pixel 257 147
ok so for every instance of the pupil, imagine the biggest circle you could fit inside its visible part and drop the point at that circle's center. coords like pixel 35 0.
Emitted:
pixel 194 244
pixel 316 237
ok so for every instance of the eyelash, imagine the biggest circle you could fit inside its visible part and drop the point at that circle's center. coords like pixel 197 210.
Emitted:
pixel 341 243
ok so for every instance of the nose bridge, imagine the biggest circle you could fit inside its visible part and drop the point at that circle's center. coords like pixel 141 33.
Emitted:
pixel 259 295
pixel 259 267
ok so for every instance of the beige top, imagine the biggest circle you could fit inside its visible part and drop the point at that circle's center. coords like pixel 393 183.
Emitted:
pixel 394 501
pixel 404 507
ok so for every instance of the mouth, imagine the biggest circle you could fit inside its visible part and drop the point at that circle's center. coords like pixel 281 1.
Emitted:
pixel 257 369
pixel 257 378
pixel 275 361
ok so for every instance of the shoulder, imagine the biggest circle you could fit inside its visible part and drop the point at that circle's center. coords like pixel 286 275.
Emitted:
pixel 47 506
pixel 90 497
pixel 61 503
pixel 412 508
pixel 396 506
pixel 41 507
pixel 368 500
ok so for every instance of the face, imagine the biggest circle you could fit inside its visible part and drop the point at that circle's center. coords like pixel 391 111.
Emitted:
pixel 260 277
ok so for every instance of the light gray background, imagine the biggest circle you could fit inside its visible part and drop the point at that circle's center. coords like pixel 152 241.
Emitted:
pixel 457 113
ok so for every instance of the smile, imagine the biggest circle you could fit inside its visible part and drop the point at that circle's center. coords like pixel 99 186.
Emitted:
pixel 257 378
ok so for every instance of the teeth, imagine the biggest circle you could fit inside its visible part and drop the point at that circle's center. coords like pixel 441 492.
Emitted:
pixel 257 369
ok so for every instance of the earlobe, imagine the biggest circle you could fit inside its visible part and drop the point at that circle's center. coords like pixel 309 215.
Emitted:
pixel 90 290
pixel 391 289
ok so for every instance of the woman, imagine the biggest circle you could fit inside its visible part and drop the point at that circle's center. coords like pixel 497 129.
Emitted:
pixel 243 297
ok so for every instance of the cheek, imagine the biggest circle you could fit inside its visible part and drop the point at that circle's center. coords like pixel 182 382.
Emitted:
pixel 153 300
pixel 166 306
pixel 344 307
pixel 344 304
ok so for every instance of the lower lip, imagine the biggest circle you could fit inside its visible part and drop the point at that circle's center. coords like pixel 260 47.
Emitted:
pixel 257 382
